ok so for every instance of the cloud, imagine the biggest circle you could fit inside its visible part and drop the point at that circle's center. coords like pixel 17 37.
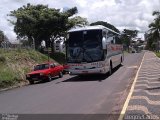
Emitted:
pixel 131 14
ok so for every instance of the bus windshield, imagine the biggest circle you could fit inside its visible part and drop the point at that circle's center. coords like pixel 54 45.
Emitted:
pixel 85 46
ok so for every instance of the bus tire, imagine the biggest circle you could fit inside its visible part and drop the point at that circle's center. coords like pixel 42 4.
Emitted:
pixel 121 61
pixel 110 69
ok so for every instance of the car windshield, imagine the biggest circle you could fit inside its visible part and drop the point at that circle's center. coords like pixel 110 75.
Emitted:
pixel 41 67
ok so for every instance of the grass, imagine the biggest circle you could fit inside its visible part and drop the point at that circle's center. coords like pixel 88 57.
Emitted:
pixel 15 63
pixel 158 54
pixel 125 52
pixel 7 76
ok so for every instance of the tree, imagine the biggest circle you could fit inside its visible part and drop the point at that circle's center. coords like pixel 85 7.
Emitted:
pixel 155 31
pixel 106 25
pixel 78 21
pixel 130 33
pixel 127 36
pixel 38 22
pixel 1 37
pixel 150 43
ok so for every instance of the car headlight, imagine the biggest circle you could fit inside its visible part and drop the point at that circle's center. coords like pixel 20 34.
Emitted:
pixel 41 74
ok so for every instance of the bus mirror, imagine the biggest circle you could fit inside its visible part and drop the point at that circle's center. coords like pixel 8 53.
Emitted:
pixel 104 43
pixel 67 37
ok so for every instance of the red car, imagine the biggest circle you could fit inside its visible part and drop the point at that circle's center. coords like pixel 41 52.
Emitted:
pixel 45 72
pixel 65 66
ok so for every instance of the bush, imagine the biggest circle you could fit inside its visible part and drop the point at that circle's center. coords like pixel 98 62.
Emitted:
pixel 59 57
pixel 158 54
pixel 7 83
pixel 2 59
pixel 7 77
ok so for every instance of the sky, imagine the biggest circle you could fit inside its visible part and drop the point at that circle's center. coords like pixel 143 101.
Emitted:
pixel 123 14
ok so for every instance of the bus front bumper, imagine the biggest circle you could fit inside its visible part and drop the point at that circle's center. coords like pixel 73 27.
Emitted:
pixel 102 70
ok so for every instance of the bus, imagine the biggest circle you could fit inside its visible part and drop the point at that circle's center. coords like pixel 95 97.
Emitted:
pixel 93 50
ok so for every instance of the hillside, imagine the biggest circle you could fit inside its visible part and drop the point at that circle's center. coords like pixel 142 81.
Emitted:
pixel 15 63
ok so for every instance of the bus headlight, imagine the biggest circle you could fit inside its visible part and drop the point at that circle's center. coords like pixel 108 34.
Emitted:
pixel 100 64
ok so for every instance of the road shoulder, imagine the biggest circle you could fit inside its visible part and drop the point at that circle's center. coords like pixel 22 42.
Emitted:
pixel 143 99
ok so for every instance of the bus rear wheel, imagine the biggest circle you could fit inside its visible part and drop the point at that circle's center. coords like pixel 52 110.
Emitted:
pixel 121 60
pixel 110 69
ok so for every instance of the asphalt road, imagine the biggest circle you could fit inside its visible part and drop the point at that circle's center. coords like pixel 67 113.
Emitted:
pixel 145 100
pixel 74 95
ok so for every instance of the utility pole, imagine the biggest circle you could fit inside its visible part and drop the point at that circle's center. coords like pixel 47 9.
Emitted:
pixel 34 46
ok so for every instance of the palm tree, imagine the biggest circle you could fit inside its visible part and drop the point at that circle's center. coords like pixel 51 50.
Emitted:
pixel 1 37
pixel 155 29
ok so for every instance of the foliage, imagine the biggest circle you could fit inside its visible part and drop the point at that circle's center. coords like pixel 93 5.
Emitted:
pixel 78 21
pixel 15 63
pixel 158 54
pixel 1 36
pixel 39 22
pixel 130 33
pixel 60 57
pixel 153 37
pixel 127 35
pixel 2 59
pixel 106 25
pixel 7 77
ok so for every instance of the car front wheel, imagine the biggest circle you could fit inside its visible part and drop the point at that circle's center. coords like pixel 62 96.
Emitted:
pixel 49 78
pixel 60 74
pixel 31 82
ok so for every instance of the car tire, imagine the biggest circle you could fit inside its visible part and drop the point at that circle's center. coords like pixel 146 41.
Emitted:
pixel 49 78
pixel 60 75
pixel 31 82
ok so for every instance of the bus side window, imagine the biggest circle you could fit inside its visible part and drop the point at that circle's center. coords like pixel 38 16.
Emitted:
pixel 112 41
pixel 118 40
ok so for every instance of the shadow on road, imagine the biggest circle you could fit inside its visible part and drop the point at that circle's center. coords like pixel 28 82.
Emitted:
pixel 44 81
pixel 85 78
pixel 96 77
pixel 154 88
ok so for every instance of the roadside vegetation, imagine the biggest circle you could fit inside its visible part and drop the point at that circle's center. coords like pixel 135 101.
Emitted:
pixel 158 54
pixel 15 63
pixel 59 57
pixel 153 35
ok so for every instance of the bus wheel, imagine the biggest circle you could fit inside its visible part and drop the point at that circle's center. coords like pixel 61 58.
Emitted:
pixel 110 69
pixel 121 61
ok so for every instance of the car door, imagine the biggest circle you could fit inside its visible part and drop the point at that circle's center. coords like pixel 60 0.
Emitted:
pixel 57 69
pixel 52 70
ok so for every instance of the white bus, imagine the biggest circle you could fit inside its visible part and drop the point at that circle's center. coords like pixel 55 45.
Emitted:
pixel 93 50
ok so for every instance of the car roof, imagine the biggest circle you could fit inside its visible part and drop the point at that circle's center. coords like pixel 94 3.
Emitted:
pixel 47 63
